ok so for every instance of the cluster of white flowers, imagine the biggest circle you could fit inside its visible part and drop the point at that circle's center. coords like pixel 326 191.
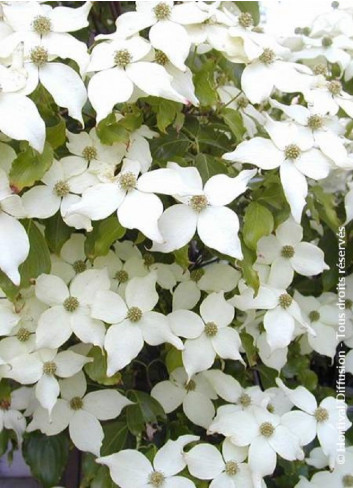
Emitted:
pixel 203 267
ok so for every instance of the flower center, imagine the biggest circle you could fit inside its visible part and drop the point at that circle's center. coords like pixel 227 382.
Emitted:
pixel 326 42
pixel 41 25
pixel 292 152
pixel 162 11
pixel 148 259
pixel 199 202
pixel 335 5
pixel 134 314
pixel 5 405
pixel 76 403
pixel 315 122
pixel 267 429
pixel 285 300
pixel 242 102
pixel 245 19
pixel 61 188
pixel 89 153
pixel 79 266
pixel 245 400
pixel 197 274
pixel 320 69
pixel 122 58
pixel 314 316
pixel 190 386
pixel 71 304
pixel 321 414
pixel 231 468
pixel 267 57
pixel 49 368
pixel 160 57
pixel 39 56
pixel 335 87
pixel 23 335
pixel 127 181
pixel 211 329
pixel 122 276
pixel 287 251
pixel 347 480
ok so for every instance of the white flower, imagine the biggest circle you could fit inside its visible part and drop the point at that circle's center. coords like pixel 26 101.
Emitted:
pixel 72 259
pixel 61 81
pixel 326 131
pixel 62 182
pixel 328 97
pixel 265 435
pixel 323 318
pixel 10 416
pixel 42 367
pixel 205 211
pixel 19 117
pixel 132 197
pixel 37 24
pixel 130 468
pixel 88 146
pixel 289 149
pixel 273 73
pixel 227 470
pixel 122 63
pixel 208 335
pixel 215 277
pixel 133 321
pixel 287 253
pixel 167 33
pixel 70 310
pixel 283 313
pixel 14 242
pixel 195 396
pixel 81 413
pixel 322 420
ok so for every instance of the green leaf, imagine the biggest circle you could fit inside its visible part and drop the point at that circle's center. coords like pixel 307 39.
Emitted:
pixel 182 257
pixel 56 232
pixel 247 342
pixel 250 276
pixel 234 121
pixel 252 8
pixel 209 166
pixel 173 359
pixel 46 456
pixel 37 262
pixel 133 118
pixel 258 222
pixel 146 410
pixel 30 166
pixel 110 131
pixel 104 234
pixel 168 147
pixel 165 110
pixel 205 87
pixel 325 205
pixel 56 133
pixel 116 437
pixel 97 370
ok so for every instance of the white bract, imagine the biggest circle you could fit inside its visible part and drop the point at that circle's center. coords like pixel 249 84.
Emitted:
pixel 208 335
pixel 133 321
pixel 70 309
pixel 204 211
pixel 289 149
pixel 130 468
pixel 80 412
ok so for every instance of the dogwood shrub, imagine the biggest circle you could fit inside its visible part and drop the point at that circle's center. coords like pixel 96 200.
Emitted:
pixel 176 205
